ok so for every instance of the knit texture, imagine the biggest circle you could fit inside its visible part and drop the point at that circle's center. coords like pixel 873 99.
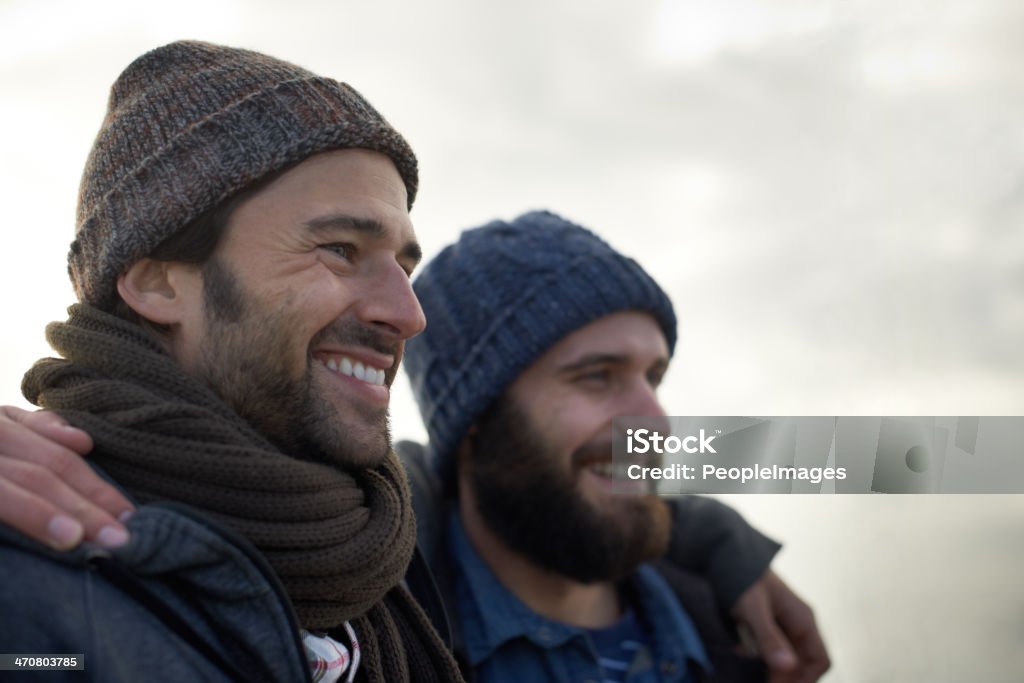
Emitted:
pixel 500 297
pixel 190 124
pixel 340 541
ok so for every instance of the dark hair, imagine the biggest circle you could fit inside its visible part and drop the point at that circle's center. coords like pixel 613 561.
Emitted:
pixel 195 243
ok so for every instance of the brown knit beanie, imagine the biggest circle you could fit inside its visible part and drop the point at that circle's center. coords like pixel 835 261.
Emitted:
pixel 189 125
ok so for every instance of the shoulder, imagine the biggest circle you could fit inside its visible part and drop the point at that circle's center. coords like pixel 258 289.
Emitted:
pixel 42 593
pixel 709 619
pixel 177 584
pixel 59 603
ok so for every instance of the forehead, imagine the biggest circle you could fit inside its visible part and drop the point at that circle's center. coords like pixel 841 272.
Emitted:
pixel 355 182
pixel 631 336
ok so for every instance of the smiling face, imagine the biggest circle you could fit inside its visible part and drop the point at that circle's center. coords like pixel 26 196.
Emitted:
pixel 299 319
pixel 540 460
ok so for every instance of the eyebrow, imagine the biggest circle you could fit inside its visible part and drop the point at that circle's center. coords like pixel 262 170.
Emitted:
pixel 366 226
pixel 592 359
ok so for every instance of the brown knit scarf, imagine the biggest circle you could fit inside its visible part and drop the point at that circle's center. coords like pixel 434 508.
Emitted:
pixel 340 541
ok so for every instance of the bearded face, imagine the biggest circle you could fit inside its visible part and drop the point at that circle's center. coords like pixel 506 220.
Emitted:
pixel 533 497
pixel 244 358
pixel 299 319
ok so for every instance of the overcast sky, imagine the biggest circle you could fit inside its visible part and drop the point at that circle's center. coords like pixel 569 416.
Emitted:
pixel 831 192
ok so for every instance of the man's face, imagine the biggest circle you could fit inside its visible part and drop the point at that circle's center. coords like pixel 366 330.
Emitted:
pixel 540 466
pixel 306 304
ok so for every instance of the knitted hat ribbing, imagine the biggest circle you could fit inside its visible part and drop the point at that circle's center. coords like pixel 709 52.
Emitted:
pixel 190 124
pixel 497 299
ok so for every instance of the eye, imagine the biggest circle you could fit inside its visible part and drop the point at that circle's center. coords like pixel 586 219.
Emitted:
pixel 656 373
pixel 594 379
pixel 341 249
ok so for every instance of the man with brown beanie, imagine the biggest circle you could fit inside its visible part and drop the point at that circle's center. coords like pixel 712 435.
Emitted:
pixel 242 259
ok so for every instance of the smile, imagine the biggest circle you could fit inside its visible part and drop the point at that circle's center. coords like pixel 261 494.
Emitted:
pixel 354 368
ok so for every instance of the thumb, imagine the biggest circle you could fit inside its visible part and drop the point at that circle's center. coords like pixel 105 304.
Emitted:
pixel 754 609
pixel 771 642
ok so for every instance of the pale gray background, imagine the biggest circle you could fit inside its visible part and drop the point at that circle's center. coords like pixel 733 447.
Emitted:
pixel 830 191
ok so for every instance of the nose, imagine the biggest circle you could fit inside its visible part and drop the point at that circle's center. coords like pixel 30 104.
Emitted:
pixel 642 401
pixel 389 303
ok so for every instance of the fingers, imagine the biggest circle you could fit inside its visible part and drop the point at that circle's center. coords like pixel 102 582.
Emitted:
pixel 754 609
pixel 784 630
pixel 797 620
pixel 44 507
pixel 49 425
pixel 47 490
pixel 37 518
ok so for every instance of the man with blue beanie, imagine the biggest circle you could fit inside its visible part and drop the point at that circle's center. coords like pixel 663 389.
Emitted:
pixel 538 334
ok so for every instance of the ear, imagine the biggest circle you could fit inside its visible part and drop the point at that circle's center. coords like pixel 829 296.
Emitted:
pixel 161 291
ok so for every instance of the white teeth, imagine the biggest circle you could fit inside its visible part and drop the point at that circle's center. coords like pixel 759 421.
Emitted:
pixel 357 369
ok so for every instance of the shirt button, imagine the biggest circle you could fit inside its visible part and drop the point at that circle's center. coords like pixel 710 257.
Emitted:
pixel 544 633
pixel 668 667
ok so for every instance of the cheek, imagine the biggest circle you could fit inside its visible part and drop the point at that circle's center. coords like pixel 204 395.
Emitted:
pixel 276 328
pixel 321 298
pixel 187 338
pixel 298 311
pixel 571 423
pixel 186 347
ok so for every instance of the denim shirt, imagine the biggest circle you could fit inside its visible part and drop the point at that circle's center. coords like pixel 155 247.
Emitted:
pixel 507 641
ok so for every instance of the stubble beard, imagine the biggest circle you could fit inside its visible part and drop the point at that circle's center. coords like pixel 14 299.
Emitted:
pixel 527 498
pixel 244 357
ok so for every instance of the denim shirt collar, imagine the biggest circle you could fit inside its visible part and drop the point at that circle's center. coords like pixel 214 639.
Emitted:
pixel 491 615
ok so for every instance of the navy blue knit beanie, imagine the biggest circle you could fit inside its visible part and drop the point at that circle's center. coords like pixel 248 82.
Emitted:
pixel 500 297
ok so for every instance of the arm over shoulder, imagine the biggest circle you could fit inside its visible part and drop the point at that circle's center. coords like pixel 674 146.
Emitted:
pixel 711 539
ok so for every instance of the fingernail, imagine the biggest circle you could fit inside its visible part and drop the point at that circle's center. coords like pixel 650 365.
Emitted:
pixel 64 532
pixel 125 516
pixel 783 659
pixel 112 536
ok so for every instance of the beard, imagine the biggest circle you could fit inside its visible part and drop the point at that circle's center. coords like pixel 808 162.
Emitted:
pixel 244 357
pixel 531 501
